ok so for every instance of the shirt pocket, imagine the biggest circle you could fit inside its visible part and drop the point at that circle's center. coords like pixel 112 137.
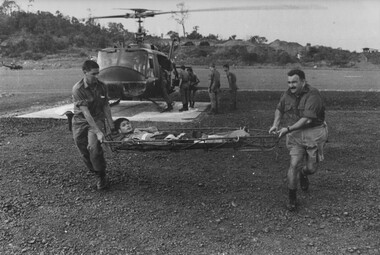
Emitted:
pixel 289 108
pixel 102 98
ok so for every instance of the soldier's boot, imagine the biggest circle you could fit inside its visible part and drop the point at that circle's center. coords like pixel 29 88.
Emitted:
pixel 304 181
pixel 184 108
pixel 292 205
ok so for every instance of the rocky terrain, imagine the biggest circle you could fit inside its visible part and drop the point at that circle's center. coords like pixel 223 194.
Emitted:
pixel 190 202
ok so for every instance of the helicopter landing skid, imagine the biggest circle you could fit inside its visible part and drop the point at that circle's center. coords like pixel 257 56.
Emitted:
pixel 159 107
pixel 114 102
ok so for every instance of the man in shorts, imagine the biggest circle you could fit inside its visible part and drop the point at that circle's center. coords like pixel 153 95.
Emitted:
pixel 193 86
pixel 305 129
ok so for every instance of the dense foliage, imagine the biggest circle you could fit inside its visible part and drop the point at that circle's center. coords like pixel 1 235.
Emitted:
pixel 33 35
pixel 25 35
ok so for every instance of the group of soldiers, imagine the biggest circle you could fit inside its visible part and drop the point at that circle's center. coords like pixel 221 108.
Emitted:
pixel 301 106
pixel 188 85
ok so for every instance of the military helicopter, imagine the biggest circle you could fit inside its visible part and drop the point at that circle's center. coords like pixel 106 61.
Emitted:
pixel 138 70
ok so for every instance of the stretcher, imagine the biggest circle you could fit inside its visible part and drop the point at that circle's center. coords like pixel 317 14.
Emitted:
pixel 256 140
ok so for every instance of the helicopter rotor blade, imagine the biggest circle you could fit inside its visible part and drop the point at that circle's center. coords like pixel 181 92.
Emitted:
pixel 250 8
pixel 151 13
pixel 127 16
pixel 138 10
pixel 143 13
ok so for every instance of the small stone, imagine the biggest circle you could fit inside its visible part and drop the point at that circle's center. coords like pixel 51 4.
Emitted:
pixel 32 241
pixel 25 250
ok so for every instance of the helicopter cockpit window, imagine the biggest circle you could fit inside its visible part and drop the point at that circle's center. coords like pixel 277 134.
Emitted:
pixel 140 63
pixel 137 60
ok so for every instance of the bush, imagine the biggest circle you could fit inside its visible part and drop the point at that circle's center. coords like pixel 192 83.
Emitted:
pixel 31 55
pixel 83 54
pixel 204 43
pixel 284 58
pixel 250 58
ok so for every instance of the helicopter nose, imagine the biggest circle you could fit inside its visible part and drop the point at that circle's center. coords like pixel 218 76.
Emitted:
pixel 123 81
pixel 120 73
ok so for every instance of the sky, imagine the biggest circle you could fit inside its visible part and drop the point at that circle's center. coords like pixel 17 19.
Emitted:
pixel 347 24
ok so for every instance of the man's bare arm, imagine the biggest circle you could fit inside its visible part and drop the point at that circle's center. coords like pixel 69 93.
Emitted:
pixel 276 121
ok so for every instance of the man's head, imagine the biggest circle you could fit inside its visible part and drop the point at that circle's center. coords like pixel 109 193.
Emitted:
pixel 212 66
pixel 183 67
pixel 123 125
pixel 91 70
pixel 296 80
pixel 226 68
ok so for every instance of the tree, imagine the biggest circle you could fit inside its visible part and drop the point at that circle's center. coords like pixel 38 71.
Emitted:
pixel 181 16
pixel 8 7
pixel 172 34
pixel 115 28
pixel 195 35
pixel 232 37
pixel 30 5
pixel 117 31
pixel 258 39
pixel 212 37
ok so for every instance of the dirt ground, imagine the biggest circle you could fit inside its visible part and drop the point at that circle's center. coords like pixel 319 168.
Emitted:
pixel 194 201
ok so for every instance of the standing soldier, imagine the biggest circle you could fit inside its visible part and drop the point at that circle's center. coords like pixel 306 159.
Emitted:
pixel 193 86
pixel 91 110
pixel 165 83
pixel 233 88
pixel 214 89
pixel 305 130
pixel 184 88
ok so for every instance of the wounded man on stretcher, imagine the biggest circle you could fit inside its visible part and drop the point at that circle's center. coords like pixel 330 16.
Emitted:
pixel 127 133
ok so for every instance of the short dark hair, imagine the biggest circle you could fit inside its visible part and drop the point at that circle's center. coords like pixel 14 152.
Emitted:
pixel 118 121
pixel 183 67
pixel 298 72
pixel 89 64
pixel 226 66
pixel 212 64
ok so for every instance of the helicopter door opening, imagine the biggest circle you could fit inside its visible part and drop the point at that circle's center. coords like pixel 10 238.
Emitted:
pixel 150 70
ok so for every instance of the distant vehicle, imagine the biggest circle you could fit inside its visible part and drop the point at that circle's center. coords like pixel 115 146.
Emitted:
pixel 12 66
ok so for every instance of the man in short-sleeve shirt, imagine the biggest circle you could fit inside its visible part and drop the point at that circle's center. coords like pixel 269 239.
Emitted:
pixel 305 128
pixel 214 89
pixel 91 110
pixel 184 86
pixel 231 77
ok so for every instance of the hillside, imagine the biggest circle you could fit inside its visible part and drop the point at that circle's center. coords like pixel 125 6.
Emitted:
pixel 43 40
pixel 290 47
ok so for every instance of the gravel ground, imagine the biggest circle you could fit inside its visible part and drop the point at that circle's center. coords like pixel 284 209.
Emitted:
pixel 191 202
